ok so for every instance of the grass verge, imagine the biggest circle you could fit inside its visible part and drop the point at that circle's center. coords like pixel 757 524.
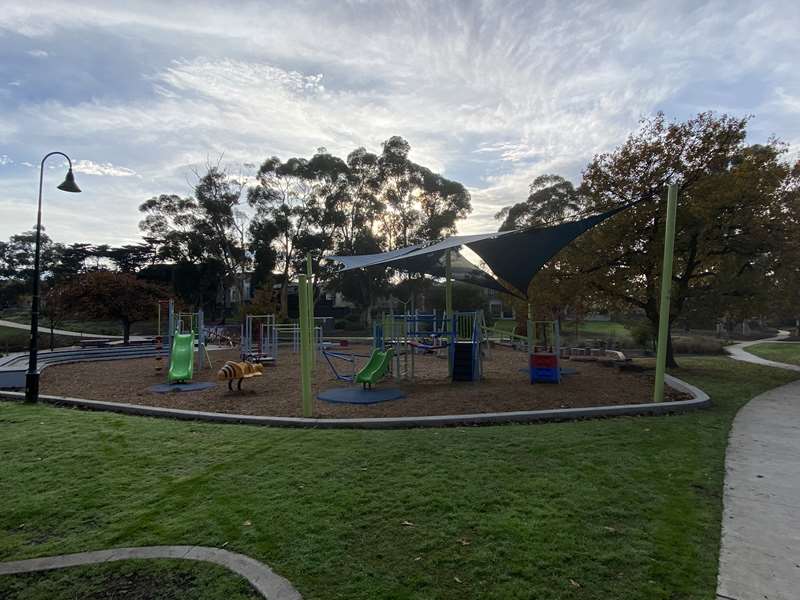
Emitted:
pixel 131 580
pixel 623 508
pixel 777 351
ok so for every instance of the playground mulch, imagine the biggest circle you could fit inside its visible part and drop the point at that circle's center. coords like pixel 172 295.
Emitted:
pixel 505 387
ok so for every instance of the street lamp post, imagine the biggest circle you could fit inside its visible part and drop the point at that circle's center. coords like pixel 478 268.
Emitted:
pixel 32 376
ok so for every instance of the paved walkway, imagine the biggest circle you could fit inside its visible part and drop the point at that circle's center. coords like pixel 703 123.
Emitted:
pixel 739 352
pixel 260 576
pixel 760 553
pixel 44 329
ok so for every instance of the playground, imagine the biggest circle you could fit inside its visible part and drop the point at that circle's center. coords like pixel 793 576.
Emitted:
pixel 277 392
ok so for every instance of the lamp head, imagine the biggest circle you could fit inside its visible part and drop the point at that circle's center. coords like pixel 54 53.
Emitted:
pixel 69 185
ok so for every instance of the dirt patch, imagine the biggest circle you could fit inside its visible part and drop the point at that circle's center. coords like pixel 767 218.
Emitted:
pixel 505 387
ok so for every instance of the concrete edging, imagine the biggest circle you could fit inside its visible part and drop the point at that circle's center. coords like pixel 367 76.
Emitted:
pixel 700 400
pixel 268 583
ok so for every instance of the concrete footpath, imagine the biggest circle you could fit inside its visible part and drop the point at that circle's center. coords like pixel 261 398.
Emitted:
pixel 271 585
pixel 760 553
pixel 739 352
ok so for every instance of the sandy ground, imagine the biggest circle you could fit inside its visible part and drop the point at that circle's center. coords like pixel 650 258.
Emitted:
pixel 505 387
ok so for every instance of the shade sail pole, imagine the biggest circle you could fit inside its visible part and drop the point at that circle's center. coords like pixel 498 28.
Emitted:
pixel 448 292
pixel 448 308
pixel 666 287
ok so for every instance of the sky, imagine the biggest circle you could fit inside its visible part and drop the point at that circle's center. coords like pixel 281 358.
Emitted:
pixel 490 94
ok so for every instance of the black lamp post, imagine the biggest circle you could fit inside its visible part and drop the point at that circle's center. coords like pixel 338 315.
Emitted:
pixel 32 376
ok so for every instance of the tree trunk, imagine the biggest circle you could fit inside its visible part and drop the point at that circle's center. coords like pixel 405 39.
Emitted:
pixel 285 297
pixel 671 362
pixel 126 332
pixel 52 336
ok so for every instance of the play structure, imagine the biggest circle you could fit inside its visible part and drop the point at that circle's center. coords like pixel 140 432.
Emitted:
pixel 180 332
pixel 239 371
pixel 544 351
pixel 262 337
pixel 259 339
pixel 376 368
pixel 462 336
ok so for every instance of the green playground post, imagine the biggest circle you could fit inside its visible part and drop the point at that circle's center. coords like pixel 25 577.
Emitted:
pixel 448 307
pixel 306 351
pixel 666 288
pixel 310 305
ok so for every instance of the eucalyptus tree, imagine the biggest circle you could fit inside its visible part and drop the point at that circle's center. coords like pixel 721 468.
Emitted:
pixel 420 205
pixel 300 200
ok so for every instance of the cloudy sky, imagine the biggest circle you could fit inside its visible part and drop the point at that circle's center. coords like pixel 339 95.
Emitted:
pixel 488 93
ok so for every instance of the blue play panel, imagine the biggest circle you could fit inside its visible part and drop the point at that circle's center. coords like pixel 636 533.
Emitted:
pixel 166 388
pixel 357 395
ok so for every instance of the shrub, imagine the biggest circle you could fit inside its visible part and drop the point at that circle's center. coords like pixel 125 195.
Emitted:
pixel 697 345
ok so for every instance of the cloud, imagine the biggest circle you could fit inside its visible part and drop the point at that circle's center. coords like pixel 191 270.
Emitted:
pixel 90 167
pixel 37 53
pixel 5 160
pixel 491 94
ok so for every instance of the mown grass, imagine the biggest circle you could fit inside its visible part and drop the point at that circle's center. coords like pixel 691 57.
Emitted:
pixel 777 351
pixel 16 340
pixel 621 508
pixel 99 327
pixel 131 580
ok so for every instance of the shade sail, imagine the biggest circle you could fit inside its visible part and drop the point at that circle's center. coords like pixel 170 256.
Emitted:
pixel 517 257
pixel 513 256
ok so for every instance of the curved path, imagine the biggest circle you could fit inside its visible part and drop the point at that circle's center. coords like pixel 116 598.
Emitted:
pixel 260 576
pixel 62 332
pixel 739 352
pixel 760 550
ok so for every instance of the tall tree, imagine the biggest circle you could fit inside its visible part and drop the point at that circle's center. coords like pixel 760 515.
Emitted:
pixel 420 205
pixel 300 200
pixel 551 199
pixel 731 214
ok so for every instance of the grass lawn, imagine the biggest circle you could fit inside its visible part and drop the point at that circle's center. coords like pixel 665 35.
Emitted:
pixel 777 351
pixel 132 580
pixel 619 508
pixel 16 340
pixel 83 326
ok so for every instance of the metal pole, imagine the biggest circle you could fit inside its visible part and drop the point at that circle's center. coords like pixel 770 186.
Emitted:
pixel 32 376
pixel 666 286
pixel 201 340
pixel 305 348
pixel 448 304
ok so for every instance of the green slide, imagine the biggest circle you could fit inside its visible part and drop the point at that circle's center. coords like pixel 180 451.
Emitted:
pixel 376 367
pixel 181 360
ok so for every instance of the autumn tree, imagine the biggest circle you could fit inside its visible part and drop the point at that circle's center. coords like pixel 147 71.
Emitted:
pixel 112 295
pixel 731 215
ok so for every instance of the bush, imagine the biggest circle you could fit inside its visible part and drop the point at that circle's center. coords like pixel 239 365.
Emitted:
pixel 697 345
pixel 642 335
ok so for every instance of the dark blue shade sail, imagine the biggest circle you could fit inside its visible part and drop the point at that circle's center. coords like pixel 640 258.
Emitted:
pixel 514 257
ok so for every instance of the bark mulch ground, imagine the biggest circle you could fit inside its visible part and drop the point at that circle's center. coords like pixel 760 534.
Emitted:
pixel 505 387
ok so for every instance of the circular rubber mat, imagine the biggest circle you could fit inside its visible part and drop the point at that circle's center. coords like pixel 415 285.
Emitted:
pixel 358 395
pixel 166 388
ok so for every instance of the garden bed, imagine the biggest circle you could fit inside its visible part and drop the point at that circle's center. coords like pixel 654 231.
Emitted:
pixel 505 387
